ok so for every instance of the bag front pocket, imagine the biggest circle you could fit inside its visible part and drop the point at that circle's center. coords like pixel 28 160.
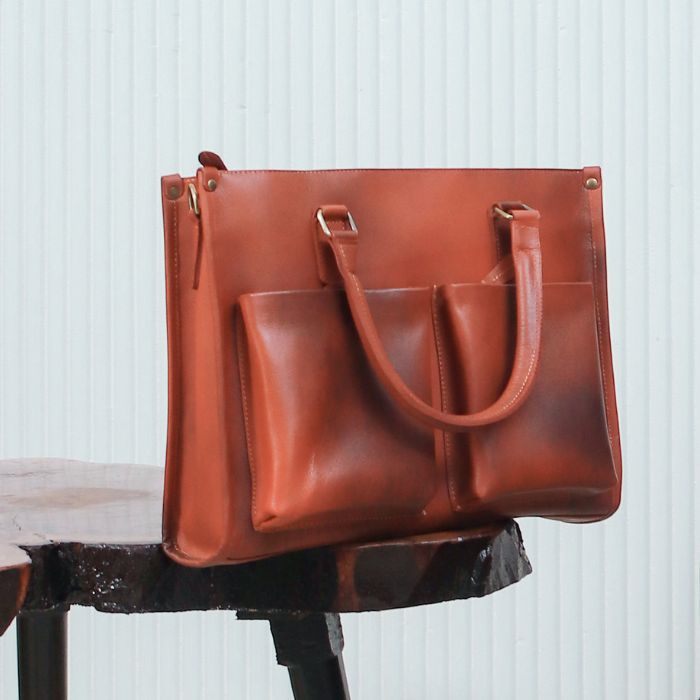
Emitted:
pixel 325 443
pixel 552 456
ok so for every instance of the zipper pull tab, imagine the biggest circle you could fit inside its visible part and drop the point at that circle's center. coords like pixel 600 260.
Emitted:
pixel 193 199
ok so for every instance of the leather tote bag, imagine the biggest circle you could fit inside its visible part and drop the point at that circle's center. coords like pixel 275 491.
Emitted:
pixel 366 354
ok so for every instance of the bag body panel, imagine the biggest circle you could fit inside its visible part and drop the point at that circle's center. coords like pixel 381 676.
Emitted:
pixel 256 234
pixel 259 214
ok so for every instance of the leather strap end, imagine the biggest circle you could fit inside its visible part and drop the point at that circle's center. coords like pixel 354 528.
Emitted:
pixel 211 159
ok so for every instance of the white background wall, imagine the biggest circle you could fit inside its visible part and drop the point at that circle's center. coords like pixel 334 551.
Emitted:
pixel 98 99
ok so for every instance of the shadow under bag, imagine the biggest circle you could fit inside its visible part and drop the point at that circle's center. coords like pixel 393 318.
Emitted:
pixel 366 354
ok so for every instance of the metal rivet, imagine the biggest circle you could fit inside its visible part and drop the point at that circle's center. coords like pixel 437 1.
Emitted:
pixel 174 192
pixel 211 185
pixel 592 183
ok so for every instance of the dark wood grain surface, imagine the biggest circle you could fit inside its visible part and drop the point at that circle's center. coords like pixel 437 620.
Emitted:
pixel 92 535
pixel 14 580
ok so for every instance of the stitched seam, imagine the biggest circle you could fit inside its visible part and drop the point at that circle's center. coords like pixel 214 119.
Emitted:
pixel 599 324
pixel 356 283
pixel 208 287
pixel 446 437
pixel 242 367
pixel 533 359
pixel 366 312
pixel 402 170
pixel 496 237
pixel 347 520
pixel 177 357
pixel 363 301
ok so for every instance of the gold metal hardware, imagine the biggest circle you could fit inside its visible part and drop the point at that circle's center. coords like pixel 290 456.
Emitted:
pixel 211 185
pixel 324 226
pixel 502 212
pixel 591 183
pixel 506 214
pixel 193 198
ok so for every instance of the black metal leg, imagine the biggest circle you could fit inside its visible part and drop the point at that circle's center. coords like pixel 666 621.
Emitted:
pixel 311 646
pixel 41 655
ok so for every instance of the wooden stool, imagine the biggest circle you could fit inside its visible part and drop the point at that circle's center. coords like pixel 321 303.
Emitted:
pixel 77 533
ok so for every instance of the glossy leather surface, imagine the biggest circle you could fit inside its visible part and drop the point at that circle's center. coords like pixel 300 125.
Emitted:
pixel 436 368
pixel 317 434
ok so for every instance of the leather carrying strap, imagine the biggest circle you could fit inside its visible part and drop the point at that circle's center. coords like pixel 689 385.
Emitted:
pixel 527 263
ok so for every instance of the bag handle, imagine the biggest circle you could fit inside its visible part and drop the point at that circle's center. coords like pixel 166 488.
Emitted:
pixel 527 262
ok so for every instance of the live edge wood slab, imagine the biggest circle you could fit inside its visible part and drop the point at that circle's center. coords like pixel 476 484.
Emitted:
pixel 77 533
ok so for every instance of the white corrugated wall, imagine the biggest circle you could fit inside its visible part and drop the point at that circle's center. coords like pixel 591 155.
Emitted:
pixel 98 99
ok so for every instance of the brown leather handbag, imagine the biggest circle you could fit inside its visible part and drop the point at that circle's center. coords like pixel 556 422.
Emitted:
pixel 364 354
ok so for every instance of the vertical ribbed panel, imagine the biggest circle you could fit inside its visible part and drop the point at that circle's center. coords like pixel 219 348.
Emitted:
pixel 98 99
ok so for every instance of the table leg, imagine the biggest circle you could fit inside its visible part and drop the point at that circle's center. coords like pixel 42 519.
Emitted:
pixel 311 646
pixel 41 655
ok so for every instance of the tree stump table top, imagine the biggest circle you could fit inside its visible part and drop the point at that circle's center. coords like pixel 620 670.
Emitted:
pixel 77 533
